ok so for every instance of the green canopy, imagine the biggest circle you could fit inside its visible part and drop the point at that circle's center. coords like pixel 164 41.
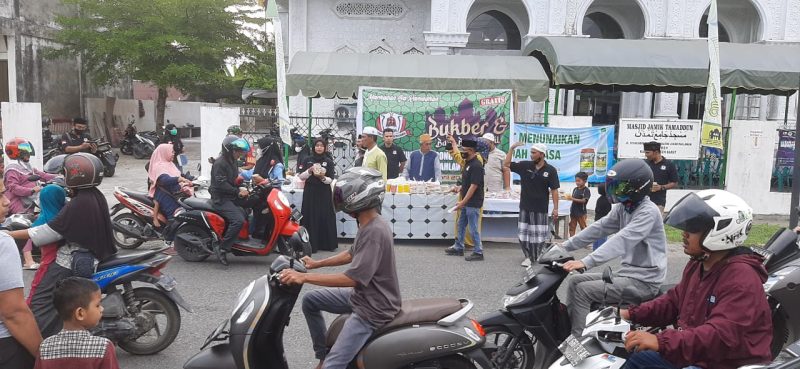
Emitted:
pixel 334 74
pixel 666 65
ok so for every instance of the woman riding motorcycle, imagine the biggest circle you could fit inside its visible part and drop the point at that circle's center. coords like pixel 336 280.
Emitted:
pixel 85 225
pixel 225 192
pixel 20 191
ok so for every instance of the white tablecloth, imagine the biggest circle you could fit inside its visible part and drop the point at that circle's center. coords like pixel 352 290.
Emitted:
pixel 417 216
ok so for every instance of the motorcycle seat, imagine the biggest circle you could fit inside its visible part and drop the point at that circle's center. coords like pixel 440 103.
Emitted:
pixel 117 260
pixel 412 312
pixel 197 203
pixel 140 196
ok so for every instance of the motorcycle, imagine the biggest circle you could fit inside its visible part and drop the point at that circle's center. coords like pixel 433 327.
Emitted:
pixel 427 333
pixel 106 155
pixel 201 226
pixel 131 315
pixel 789 359
pixel 532 313
pixel 134 227
pixel 141 145
pixel 128 139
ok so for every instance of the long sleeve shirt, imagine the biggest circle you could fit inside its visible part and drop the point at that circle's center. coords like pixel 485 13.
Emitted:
pixel 18 187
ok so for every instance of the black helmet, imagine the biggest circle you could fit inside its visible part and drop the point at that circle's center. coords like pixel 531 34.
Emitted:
pixel 629 181
pixel 82 170
pixel 234 130
pixel 358 189
pixel 230 143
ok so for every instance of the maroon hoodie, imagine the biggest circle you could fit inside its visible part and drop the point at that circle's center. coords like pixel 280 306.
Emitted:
pixel 722 315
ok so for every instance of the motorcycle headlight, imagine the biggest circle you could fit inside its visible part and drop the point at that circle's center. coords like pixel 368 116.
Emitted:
pixel 283 199
pixel 246 312
pixel 243 294
pixel 779 276
pixel 513 300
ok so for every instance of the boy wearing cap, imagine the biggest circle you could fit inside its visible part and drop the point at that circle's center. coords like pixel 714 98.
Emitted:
pixel 498 177
pixel 423 164
pixel 539 181
pixel 374 157
pixel 665 174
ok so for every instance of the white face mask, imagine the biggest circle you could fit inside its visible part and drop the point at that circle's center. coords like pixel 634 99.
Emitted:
pixel 298 149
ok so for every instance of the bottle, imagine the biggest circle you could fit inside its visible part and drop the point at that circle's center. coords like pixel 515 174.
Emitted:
pixel 587 161
pixel 601 157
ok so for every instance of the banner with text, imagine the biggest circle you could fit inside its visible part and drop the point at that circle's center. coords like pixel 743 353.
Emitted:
pixel 570 150
pixel 784 157
pixel 411 113
pixel 679 139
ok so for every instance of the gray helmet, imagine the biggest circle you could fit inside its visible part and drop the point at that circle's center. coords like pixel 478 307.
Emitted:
pixel 358 189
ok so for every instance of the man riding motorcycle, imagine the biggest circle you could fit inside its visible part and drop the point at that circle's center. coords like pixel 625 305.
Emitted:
pixel 719 308
pixel 636 235
pixel 225 193
pixel 369 289
pixel 78 139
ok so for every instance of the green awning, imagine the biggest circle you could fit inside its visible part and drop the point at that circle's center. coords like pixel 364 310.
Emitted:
pixel 333 74
pixel 665 64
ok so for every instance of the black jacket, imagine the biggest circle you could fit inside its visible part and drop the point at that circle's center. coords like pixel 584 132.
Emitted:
pixel 223 180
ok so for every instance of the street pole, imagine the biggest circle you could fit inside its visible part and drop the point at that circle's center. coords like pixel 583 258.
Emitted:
pixel 796 170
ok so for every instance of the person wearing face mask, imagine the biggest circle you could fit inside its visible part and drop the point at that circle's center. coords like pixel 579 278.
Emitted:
pixel 539 182
pixel 21 191
pixel 226 194
pixel 720 312
pixel 171 137
pixel 469 207
pixel 77 140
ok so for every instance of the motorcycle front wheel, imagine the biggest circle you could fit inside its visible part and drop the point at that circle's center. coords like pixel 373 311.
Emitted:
pixel 158 322
pixel 510 353
pixel 122 240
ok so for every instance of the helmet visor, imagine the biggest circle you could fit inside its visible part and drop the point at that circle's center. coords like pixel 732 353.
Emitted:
pixel 241 144
pixel 691 214
pixel 618 191
pixel 26 147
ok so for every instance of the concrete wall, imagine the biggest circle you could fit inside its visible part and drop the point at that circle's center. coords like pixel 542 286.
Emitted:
pixel 182 113
pixel 213 124
pixel 116 114
pixel 23 120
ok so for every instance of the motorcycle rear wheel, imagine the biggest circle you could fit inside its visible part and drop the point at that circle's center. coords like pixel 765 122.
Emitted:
pixel 126 149
pixel 523 356
pixel 188 252
pixel 122 240
pixel 108 171
pixel 151 302
pixel 139 151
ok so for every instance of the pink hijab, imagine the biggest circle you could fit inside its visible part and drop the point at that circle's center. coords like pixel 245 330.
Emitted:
pixel 161 163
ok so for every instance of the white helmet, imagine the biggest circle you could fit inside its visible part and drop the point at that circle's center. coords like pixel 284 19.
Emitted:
pixel 723 217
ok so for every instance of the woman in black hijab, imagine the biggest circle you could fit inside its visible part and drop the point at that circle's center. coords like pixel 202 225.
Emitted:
pixel 84 228
pixel 319 217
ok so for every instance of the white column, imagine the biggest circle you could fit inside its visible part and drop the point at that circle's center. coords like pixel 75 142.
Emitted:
pixel 12 68
pixel 666 105
pixel 24 120
pixel 777 108
pixel 685 105
pixel 647 105
pixel 762 107
pixel 570 103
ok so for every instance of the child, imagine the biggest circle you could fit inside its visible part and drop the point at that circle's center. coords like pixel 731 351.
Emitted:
pixel 601 209
pixel 580 197
pixel 77 301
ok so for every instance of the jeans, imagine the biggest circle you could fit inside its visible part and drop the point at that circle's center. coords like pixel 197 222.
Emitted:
pixel 469 216
pixel 235 217
pixel 650 360
pixel 588 288
pixel 354 334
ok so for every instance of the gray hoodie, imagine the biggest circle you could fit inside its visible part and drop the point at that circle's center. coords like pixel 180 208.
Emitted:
pixel 638 238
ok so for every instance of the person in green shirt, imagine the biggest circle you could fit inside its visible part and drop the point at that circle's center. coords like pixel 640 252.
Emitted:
pixel 374 158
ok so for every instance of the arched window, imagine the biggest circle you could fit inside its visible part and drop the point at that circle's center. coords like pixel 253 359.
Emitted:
pixel 721 31
pixel 601 25
pixel 493 30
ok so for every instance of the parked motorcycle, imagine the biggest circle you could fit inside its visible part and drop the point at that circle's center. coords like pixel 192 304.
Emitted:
pixel 427 333
pixel 201 226
pixel 788 359
pixel 128 139
pixel 106 155
pixel 142 320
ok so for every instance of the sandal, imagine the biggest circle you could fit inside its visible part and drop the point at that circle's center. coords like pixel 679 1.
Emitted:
pixel 33 266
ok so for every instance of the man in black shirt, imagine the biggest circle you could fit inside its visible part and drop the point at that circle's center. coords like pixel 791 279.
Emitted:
pixel 395 156
pixel 665 174
pixel 472 188
pixel 78 139
pixel 539 183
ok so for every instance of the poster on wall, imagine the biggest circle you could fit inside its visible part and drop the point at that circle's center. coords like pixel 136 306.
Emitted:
pixel 680 139
pixel 785 155
pixel 570 150
pixel 461 113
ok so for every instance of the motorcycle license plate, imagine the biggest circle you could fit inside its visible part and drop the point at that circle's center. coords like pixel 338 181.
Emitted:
pixel 167 282
pixel 573 350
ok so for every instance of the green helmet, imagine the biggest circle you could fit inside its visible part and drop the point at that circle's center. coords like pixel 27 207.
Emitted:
pixel 234 130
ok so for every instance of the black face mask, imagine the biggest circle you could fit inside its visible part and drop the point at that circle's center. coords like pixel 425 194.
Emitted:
pixel 465 155
pixel 79 132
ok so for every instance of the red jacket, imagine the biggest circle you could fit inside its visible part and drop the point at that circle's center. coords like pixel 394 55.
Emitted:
pixel 722 315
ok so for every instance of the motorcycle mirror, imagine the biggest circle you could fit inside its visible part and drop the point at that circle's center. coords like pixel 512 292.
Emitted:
pixel 607 274
pixel 33 178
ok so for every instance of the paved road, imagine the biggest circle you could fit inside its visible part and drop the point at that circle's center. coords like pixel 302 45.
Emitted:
pixel 423 271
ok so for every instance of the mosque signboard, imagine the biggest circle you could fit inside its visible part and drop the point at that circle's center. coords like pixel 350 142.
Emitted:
pixel 679 139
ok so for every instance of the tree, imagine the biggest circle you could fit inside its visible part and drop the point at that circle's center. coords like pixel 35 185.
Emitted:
pixel 172 43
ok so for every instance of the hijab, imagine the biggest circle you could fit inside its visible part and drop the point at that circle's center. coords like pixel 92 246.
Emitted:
pixel 85 220
pixel 51 199
pixel 325 157
pixel 270 155
pixel 161 163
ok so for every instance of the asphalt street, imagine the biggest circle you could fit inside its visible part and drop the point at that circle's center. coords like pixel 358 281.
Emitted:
pixel 423 269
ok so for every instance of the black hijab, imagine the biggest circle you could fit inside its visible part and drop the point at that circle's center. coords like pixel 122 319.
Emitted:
pixel 325 159
pixel 85 221
pixel 270 151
